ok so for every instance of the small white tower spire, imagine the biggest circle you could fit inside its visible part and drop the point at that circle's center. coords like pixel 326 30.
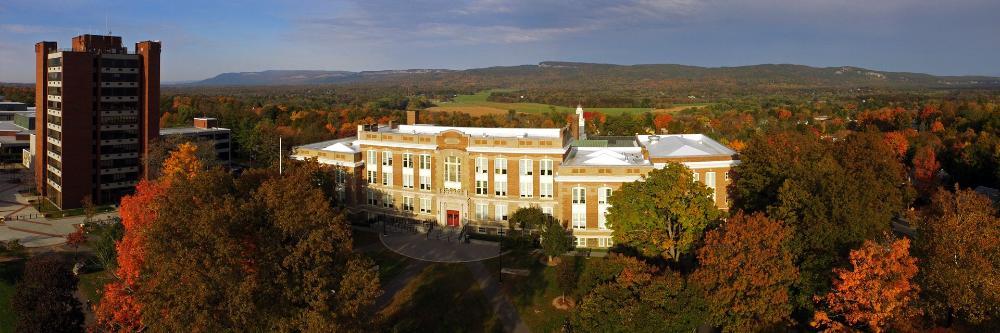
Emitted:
pixel 582 125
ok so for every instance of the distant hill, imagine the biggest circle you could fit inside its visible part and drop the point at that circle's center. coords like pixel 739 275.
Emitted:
pixel 301 77
pixel 590 76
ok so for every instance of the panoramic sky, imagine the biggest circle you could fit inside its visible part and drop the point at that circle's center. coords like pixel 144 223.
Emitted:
pixel 207 37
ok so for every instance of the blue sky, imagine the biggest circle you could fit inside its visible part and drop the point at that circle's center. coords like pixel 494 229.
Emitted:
pixel 205 38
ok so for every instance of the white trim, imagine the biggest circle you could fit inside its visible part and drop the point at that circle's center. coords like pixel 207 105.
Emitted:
pixel 505 150
pixel 703 165
pixel 396 144
pixel 328 161
pixel 597 179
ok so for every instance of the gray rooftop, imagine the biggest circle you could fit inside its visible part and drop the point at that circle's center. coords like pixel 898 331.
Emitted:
pixel 191 130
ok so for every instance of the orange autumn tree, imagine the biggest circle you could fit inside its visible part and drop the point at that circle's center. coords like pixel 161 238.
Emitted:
pixel 118 310
pixel 898 142
pixel 746 273
pixel 876 292
pixel 925 169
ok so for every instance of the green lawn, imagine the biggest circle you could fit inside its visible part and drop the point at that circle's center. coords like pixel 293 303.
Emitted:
pixel 9 273
pixel 478 100
pixel 390 264
pixel 442 298
pixel 92 284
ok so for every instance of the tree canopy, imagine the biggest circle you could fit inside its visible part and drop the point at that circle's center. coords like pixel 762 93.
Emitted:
pixel 960 263
pixel 663 215
pixel 746 272
pixel 43 299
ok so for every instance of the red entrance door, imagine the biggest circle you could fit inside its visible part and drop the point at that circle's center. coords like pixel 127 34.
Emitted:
pixel 453 220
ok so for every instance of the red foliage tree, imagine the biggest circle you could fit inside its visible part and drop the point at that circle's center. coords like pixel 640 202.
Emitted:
pixel 662 120
pixel 876 293
pixel 925 168
pixel 897 141
pixel 76 238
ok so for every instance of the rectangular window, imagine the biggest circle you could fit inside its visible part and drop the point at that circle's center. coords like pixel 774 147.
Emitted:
pixel 525 188
pixel 481 211
pixel 604 242
pixel 547 210
pixel 340 176
pixel 525 167
pixel 387 178
pixel 481 187
pixel 603 203
pixel 579 219
pixel 425 162
pixel 695 175
pixel 387 201
pixel 500 166
pixel 425 183
pixel 372 159
pixel 407 204
pixel 501 211
pixel 408 160
pixel 452 168
pixel 372 177
pixel 500 188
pixel 372 198
pixel 545 167
pixel 425 205
pixel 482 165
pixel 407 180
pixel 710 182
pixel 603 194
pixel 581 242
pixel 579 195
pixel 545 190
pixel 387 158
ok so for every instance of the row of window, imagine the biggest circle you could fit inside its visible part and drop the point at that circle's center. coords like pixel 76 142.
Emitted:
pixel 388 201
pixel 545 166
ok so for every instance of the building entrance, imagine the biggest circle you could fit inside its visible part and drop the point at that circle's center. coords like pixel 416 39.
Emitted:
pixel 453 218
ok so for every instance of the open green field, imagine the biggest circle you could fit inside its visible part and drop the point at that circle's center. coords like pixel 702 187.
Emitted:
pixel 477 105
pixel 442 298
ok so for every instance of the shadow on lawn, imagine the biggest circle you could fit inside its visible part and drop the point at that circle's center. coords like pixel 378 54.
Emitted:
pixel 442 298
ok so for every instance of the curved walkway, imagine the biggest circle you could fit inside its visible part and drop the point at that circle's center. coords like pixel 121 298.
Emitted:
pixel 420 247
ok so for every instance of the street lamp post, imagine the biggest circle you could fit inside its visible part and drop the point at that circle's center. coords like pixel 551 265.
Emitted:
pixel 500 258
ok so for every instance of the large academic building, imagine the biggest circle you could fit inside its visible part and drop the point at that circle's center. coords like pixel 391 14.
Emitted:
pixel 474 176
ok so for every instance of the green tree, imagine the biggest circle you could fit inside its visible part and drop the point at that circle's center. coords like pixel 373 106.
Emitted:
pixel 554 239
pixel 529 218
pixel 566 277
pixel 637 297
pixel 43 299
pixel 746 274
pixel 960 264
pixel 664 214
pixel 835 194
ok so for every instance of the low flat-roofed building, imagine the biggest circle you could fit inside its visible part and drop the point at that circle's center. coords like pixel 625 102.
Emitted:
pixel 477 177
pixel 205 129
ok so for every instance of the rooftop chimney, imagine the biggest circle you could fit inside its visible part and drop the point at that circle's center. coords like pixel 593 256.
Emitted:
pixel 206 122
pixel 412 117
pixel 581 129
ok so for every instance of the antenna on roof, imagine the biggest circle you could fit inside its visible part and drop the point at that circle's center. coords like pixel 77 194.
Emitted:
pixel 107 23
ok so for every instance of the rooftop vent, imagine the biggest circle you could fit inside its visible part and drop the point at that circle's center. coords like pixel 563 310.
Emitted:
pixel 654 138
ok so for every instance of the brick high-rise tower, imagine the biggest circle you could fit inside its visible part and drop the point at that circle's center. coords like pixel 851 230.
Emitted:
pixel 97 112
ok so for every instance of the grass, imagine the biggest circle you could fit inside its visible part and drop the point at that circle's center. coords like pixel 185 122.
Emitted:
pixel 10 271
pixel 442 298
pixel 364 238
pixel 390 264
pixel 477 104
pixel 532 295
pixel 50 210
pixel 92 284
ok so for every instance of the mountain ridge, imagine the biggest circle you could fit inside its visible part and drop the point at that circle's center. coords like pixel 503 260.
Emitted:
pixel 791 75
